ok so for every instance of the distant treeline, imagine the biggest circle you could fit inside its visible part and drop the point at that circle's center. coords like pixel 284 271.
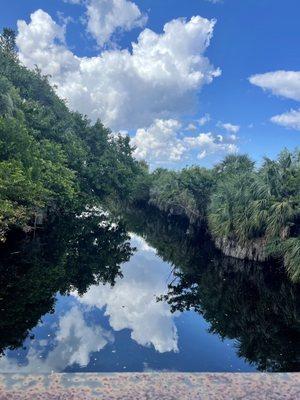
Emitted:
pixel 239 204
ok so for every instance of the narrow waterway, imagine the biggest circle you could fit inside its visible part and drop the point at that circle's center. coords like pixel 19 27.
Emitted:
pixel 173 307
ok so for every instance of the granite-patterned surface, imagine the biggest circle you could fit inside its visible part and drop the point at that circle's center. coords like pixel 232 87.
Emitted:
pixel 142 386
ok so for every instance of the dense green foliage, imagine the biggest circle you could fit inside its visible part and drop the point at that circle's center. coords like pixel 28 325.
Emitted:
pixel 248 204
pixel 237 202
pixel 55 160
pixel 182 193
pixel 52 159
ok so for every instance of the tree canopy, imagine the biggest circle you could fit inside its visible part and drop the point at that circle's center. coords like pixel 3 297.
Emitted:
pixel 52 159
pixel 237 202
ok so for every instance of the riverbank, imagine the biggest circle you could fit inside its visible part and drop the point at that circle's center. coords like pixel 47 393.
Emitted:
pixel 251 213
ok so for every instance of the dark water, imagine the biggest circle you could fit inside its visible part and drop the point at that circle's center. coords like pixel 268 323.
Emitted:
pixel 146 294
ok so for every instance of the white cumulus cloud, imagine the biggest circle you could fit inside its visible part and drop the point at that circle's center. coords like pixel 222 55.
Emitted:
pixel 105 17
pixel 290 119
pixel 159 142
pixel 208 143
pixel 204 120
pixel 285 84
pixel 84 339
pixel 229 127
pixel 163 142
pixel 159 78
pixel 191 127
pixel 281 83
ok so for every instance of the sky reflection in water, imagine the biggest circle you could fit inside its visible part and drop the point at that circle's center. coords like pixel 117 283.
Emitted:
pixel 124 328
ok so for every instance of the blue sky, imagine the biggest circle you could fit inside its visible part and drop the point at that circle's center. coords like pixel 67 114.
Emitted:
pixel 249 37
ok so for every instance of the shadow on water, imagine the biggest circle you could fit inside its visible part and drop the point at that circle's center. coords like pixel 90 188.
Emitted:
pixel 252 303
pixel 69 253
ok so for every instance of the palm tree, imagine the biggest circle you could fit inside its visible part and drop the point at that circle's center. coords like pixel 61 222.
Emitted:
pixel 249 204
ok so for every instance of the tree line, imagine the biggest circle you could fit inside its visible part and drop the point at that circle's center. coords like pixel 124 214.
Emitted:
pixel 52 160
pixel 236 202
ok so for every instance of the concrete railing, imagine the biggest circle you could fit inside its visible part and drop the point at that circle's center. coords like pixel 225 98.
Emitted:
pixel 142 386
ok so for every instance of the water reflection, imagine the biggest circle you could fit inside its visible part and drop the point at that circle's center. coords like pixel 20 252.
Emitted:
pixel 132 302
pixel 213 314
pixel 252 303
pixel 70 341
pixel 69 253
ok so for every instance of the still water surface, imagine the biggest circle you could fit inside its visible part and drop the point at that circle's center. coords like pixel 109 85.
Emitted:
pixel 176 304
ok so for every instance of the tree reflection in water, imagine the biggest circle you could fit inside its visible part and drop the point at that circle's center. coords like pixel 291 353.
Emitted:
pixel 253 303
pixel 69 253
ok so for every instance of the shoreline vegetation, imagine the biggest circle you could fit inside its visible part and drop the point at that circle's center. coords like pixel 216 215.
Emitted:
pixel 250 213
pixel 54 161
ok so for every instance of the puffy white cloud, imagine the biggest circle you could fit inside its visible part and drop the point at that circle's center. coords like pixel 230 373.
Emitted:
pixel 233 137
pixel 281 83
pixel 104 17
pixel 132 304
pixel 74 343
pixel 290 119
pixel 204 120
pixel 159 142
pixel 191 127
pixel 286 84
pixel 159 78
pixel 229 127
pixel 207 144
pixel 163 143
pixel 41 43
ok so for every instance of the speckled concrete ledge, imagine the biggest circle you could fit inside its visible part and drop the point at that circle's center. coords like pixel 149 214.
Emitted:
pixel 142 386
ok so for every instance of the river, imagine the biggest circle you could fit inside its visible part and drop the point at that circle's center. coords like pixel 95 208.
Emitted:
pixel 149 294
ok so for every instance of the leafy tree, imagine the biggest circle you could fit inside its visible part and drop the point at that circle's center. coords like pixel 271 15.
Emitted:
pixel 8 42
pixel 186 192
pixel 51 159
pixel 260 204
pixel 256 210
